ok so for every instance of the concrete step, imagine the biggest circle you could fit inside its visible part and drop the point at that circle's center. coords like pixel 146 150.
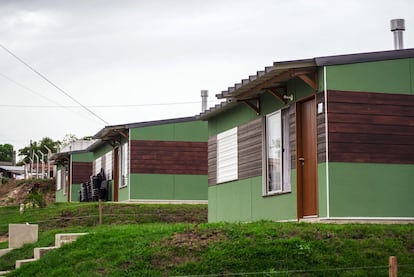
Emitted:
pixel 39 252
pixel 5 251
pixel 2 273
pixel 61 239
pixel 19 263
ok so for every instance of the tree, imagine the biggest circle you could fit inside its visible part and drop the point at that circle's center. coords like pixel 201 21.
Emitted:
pixel 68 138
pixel 35 147
pixel 6 152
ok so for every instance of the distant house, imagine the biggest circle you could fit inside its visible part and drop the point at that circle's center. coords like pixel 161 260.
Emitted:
pixel 328 138
pixel 162 161
pixel 73 167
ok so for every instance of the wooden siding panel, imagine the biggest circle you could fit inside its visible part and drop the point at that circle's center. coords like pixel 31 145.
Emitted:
pixel 250 149
pixel 321 134
pixel 212 161
pixel 168 157
pixel 292 130
pixel 371 127
pixel 81 172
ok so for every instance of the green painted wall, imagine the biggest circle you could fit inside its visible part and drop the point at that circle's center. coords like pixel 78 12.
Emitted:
pixel 99 152
pixel 184 131
pixel 74 192
pixel 60 196
pixel 322 196
pixel 392 76
pixel 243 201
pixel 371 190
pixel 82 157
pixel 168 187
pixel 123 194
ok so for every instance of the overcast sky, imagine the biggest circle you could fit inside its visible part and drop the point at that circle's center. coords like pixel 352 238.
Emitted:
pixel 141 53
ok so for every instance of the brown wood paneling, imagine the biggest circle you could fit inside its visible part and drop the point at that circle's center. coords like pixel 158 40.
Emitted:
pixel 292 130
pixel 81 172
pixel 212 161
pixel 371 127
pixel 168 157
pixel 249 145
pixel 321 133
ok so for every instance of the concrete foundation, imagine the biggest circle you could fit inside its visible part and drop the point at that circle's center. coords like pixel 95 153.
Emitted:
pixel 20 234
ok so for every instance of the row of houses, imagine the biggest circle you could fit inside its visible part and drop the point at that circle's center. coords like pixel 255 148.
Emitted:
pixel 327 138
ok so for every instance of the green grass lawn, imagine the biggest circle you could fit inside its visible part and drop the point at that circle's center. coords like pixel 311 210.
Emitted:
pixel 286 249
pixel 62 215
pixel 259 249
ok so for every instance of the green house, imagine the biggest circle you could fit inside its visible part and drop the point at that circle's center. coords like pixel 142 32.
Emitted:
pixel 321 139
pixel 162 161
pixel 73 167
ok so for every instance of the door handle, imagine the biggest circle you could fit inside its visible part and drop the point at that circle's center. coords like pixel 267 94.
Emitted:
pixel 302 161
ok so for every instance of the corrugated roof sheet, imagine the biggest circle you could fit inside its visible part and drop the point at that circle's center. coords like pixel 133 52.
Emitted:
pixel 278 68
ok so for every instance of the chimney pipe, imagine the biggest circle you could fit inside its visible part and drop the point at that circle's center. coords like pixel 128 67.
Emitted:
pixel 398 27
pixel 204 96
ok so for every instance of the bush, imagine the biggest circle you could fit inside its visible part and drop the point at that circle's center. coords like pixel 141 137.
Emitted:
pixel 34 200
pixel 4 180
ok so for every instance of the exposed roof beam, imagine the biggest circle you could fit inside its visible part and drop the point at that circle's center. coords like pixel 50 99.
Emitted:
pixel 277 78
pixel 254 106
pixel 277 94
pixel 312 83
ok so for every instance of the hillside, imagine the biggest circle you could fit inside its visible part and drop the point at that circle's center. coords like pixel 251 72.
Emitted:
pixel 15 192
pixel 147 240
pixel 254 249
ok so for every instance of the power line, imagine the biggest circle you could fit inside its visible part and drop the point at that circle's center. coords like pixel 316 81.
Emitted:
pixel 100 106
pixel 54 85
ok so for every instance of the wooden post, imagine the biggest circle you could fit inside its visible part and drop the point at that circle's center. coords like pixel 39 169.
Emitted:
pixel 393 268
pixel 100 212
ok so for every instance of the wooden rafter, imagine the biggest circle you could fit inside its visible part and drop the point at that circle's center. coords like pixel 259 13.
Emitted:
pixel 125 135
pixel 277 78
pixel 253 103
pixel 313 83
pixel 277 94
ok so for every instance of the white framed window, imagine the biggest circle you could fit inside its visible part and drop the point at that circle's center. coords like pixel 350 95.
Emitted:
pixel 97 165
pixel 277 153
pixel 59 180
pixel 123 165
pixel 227 156
pixel 108 165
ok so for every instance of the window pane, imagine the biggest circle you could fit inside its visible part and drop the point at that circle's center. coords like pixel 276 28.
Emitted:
pixel 227 163
pixel 274 153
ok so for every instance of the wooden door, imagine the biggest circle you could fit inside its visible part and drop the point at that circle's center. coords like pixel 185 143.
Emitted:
pixel 307 159
pixel 115 173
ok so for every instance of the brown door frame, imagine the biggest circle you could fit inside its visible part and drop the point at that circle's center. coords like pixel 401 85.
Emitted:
pixel 116 173
pixel 299 173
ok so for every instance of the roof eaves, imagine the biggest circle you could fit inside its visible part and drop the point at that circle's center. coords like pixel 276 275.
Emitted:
pixel 161 122
pixel 365 57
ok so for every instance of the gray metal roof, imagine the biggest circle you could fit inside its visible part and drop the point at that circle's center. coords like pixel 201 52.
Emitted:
pixel 109 131
pixel 285 70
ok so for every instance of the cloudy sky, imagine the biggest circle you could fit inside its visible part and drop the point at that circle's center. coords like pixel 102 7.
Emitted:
pixel 139 60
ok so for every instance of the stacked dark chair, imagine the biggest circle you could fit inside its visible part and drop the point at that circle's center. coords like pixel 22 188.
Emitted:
pixel 94 190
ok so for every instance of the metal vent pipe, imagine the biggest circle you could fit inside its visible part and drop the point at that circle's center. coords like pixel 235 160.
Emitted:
pixel 398 27
pixel 204 96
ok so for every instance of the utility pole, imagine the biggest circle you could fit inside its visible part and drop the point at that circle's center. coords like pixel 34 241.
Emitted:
pixel 37 165
pixel 31 158
pixel 49 153
pixel 43 163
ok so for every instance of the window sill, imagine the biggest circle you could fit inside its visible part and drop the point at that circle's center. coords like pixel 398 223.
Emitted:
pixel 276 193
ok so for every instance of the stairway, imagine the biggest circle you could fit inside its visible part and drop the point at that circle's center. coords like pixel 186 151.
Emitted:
pixel 39 252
